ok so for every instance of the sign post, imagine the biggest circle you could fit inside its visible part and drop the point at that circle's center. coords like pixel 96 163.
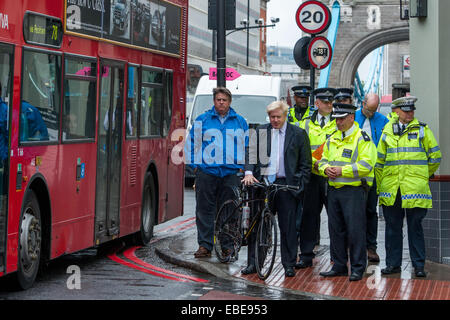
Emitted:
pixel 314 17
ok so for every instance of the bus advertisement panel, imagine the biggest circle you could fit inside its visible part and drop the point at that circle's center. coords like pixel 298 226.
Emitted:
pixel 149 24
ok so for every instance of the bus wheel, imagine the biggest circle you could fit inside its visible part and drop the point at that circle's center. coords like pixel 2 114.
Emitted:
pixel 29 241
pixel 148 210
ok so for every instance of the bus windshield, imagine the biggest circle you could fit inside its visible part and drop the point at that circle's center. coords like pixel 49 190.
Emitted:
pixel 252 108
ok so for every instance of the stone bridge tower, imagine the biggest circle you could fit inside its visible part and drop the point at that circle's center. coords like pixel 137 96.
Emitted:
pixel 364 26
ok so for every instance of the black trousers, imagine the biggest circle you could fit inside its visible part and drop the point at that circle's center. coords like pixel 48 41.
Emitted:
pixel 394 216
pixel 347 228
pixel 210 193
pixel 285 207
pixel 372 217
pixel 313 203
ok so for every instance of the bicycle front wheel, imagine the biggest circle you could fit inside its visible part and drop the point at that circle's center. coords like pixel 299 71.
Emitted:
pixel 227 232
pixel 266 245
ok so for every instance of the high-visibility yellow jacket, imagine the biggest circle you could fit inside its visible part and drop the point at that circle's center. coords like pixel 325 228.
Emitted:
pixel 317 135
pixel 293 119
pixel 356 154
pixel 406 161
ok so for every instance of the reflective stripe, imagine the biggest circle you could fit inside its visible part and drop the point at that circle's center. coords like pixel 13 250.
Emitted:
pixel 365 165
pixel 405 149
pixel 339 163
pixel 307 126
pixel 381 155
pixel 355 152
pixel 406 162
pixel 345 180
pixel 434 160
pixel 379 165
pixel 355 170
pixel 417 196
pixel 431 150
pixel 385 194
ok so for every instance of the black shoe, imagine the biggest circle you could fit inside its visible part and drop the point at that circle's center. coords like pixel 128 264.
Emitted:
pixel 302 264
pixel 391 270
pixel 420 273
pixel 355 276
pixel 289 272
pixel 249 270
pixel 333 273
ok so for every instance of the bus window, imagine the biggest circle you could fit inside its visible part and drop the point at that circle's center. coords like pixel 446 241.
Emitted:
pixel 167 103
pixel 80 85
pixel 41 87
pixel 151 103
pixel 132 102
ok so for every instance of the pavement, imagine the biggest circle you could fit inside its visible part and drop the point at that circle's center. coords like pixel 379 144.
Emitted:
pixel 373 286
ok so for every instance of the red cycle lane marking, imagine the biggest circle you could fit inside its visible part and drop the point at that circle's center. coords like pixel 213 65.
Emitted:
pixel 176 225
pixel 115 258
pixel 186 227
pixel 131 254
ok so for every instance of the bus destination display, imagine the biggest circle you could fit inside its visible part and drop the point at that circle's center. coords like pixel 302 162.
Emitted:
pixel 42 30
pixel 153 24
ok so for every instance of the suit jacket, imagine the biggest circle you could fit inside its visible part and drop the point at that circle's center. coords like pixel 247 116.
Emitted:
pixel 297 155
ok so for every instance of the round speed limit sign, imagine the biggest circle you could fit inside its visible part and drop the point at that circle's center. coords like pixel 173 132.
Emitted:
pixel 313 17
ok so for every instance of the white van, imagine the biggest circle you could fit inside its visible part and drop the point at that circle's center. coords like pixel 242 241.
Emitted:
pixel 251 95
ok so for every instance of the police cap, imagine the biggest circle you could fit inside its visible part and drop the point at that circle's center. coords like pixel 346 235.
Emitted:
pixel 343 93
pixel 326 94
pixel 404 103
pixel 302 91
pixel 341 110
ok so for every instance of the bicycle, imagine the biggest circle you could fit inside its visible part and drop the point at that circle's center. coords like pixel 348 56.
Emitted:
pixel 233 227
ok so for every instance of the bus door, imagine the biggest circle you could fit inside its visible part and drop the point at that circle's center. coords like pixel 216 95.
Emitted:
pixel 6 73
pixel 107 205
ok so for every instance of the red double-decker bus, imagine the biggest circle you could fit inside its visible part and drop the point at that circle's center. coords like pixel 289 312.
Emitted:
pixel 91 91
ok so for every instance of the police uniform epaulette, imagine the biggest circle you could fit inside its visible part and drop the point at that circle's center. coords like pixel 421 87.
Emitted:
pixel 423 124
pixel 365 135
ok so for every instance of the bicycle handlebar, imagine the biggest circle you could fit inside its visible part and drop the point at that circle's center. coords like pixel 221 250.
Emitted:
pixel 274 185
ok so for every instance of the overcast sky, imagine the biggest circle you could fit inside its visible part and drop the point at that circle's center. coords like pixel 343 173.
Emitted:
pixel 286 33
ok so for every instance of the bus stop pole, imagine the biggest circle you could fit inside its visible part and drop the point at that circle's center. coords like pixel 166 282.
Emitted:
pixel 221 48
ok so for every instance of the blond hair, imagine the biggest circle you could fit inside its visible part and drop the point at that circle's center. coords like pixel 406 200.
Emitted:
pixel 278 105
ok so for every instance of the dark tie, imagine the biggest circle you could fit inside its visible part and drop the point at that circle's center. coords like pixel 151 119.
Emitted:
pixel 403 128
pixel 322 122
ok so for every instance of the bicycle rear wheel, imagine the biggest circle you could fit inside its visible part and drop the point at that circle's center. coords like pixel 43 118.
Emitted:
pixel 266 245
pixel 227 232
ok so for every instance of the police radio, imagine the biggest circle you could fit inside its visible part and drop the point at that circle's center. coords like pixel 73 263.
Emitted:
pixel 396 129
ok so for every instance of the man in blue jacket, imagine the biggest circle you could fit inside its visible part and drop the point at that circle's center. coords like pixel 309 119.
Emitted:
pixel 215 150
pixel 373 127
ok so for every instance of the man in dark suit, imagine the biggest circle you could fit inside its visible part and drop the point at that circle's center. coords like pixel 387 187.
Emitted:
pixel 280 151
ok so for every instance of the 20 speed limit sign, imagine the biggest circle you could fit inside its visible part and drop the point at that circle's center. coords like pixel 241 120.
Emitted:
pixel 313 17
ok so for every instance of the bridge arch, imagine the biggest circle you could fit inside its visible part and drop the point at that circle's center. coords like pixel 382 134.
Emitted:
pixel 366 45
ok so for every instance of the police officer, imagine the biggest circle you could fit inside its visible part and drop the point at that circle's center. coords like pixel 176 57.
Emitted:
pixel 344 95
pixel 318 127
pixel 348 161
pixel 408 155
pixel 300 110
